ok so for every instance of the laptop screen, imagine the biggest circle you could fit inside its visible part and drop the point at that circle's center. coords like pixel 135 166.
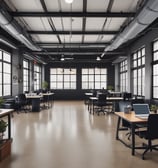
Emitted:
pixel 141 109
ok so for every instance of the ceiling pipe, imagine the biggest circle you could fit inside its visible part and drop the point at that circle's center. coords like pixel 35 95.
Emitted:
pixel 14 29
pixel 7 42
pixel 145 17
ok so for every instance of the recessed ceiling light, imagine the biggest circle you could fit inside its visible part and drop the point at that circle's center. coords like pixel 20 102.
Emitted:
pixel 68 1
pixel 98 59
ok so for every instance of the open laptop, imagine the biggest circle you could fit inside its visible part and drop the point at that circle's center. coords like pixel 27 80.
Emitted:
pixel 141 110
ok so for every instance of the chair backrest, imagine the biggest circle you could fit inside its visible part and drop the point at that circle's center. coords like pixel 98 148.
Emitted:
pixel 152 127
pixel 22 98
pixel 127 96
pixel 101 97
pixel 123 104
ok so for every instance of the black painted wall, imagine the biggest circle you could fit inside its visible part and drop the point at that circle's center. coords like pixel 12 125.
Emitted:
pixel 77 94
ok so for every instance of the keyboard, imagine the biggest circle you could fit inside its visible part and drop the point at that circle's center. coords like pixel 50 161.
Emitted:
pixel 142 116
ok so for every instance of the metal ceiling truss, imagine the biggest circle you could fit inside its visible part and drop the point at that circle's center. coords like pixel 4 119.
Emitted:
pixel 75 32
pixel 74 14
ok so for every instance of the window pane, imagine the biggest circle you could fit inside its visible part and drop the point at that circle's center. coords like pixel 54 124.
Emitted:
pixel 84 71
pixel 7 90
pixel 94 78
pixel 0 90
pixel 66 78
pixel 6 68
pixel 7 78
pixel 0 67
pixel 0 54
pixel 155 92
pixel 73 78
pixel 62 78
pixel 155 56
pixel 6 57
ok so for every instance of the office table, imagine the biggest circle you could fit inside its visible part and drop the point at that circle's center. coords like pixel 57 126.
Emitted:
pixel 110 99
pixel 87 95
pixel 4 113
pixel 130 117
pixel 49 98
pixel 35 99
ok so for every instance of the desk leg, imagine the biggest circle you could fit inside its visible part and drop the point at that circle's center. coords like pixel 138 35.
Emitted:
pixel 93 106
pixel 133 138
pixel 9 126
pixel 90 106
pixel 118 126
pixel 36 105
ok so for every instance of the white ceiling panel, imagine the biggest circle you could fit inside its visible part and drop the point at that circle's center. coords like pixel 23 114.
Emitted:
pixel 114 24
pixel 76 23
pixel 106 38
pixel 94 23
pixel 46 38
pixel 124 6
pixel 71 39
pixel 38 23
pixel 99 5
pixel 91 38
pixel 29 5
pixel 52 5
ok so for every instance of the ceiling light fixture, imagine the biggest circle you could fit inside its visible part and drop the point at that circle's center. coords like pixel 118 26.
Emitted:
pixel 62 58
pixel 98 59
pixel 69 1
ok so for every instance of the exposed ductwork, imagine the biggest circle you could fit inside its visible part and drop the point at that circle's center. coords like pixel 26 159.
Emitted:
pixel 13 28
pixel 145 17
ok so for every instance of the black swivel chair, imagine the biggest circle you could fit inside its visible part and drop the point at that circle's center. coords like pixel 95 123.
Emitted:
pixel 127 96
pixel 21 103
pixel 150 134
pixel 101 104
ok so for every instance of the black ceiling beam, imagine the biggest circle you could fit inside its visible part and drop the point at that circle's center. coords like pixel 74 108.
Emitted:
pixel 80 53
pixel 74 32
pixel 80 44
pixel 73 14
pixel 94 49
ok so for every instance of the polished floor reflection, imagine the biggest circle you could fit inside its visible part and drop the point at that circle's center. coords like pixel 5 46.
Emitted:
pixel 67 136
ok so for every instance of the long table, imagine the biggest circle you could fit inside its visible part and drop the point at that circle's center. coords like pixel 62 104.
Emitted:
pixel 35 99
pixel 133 121
pixel 7 113
pixel 110 99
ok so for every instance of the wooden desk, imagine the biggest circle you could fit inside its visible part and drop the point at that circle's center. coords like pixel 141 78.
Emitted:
pixel 4 113
pixel 133 121
pixel 35 99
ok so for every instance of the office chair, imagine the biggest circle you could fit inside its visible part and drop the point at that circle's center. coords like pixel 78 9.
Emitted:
pixel 150 134
pixel 101 104
pixel 21 103
pixel 127 96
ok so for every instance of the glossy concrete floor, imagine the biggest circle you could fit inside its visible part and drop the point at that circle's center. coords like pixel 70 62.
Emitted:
pixel 67 136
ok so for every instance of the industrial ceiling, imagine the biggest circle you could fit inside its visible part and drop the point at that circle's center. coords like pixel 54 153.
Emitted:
pixel 81 31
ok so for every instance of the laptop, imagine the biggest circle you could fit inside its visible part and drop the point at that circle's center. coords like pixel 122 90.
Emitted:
pixel 141 110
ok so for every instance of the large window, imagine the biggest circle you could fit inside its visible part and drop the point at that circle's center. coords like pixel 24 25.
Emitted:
pixel 138 71
pixel 26 75
pixel 94 78
pixel 5 73
pixel 37 77
pixel 63 78
pixel 155 69
pixel 123 76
